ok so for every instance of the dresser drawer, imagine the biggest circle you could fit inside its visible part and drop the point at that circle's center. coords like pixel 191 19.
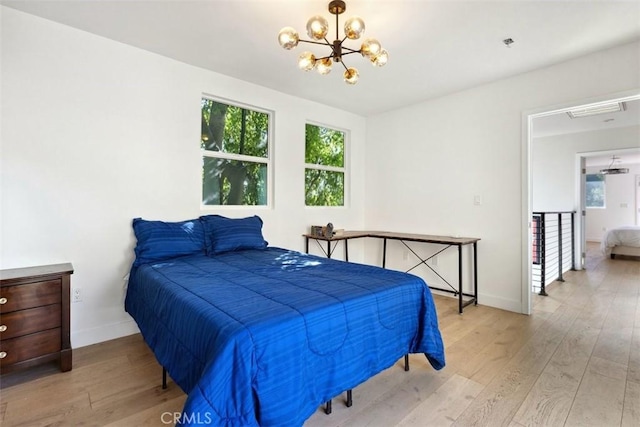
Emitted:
pixel 30 295
pixel 29 346
pixel 28 321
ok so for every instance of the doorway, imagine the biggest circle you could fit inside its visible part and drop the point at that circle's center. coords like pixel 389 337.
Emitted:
pixel 565 192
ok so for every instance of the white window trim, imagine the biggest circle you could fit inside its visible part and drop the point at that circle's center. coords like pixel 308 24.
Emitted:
pixel 232 156
pixel 324 168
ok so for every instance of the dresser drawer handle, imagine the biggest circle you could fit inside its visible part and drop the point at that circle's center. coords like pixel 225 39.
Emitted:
pixel 3 354
pixel 3 328
pixel 3 300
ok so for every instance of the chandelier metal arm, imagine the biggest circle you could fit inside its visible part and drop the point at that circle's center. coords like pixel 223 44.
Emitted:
pixel 337 25
pixel 351 50
pixel 314 42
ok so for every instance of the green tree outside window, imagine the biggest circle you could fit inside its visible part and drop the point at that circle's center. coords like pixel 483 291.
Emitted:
pixel 235 154
pixel 324 171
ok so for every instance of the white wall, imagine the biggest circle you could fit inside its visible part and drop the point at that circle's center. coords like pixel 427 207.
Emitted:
pixel 97 132
pixel 620 200
pixel 554 163
pixel 426 162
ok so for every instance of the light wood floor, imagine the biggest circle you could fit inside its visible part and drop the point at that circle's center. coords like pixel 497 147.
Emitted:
pixel 574 362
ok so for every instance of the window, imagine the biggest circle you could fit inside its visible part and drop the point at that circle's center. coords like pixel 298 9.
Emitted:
pixel 324 166
pixel 235 154
pixel 537 239
pixel 595 197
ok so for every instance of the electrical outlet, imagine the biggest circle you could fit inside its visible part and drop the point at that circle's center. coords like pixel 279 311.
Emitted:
pixel 477 200
pixel 76 295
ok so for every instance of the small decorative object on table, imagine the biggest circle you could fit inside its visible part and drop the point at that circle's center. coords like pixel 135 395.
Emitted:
pixel 328 231
pixel 316 230
pixel 325 231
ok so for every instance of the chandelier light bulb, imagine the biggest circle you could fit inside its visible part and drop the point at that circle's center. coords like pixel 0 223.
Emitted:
pixel 317 27
pixel 306 61
pixel 288 38
pixel 324 66
pixel 354 28
pixel 380 60
pixel 351 76
pixel 370 48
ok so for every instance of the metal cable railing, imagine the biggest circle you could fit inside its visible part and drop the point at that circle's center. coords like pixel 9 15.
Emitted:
pixel 553 247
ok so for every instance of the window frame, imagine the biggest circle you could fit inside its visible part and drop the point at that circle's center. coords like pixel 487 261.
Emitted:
pixel 344 169
pixel 604 189
pixel 268 161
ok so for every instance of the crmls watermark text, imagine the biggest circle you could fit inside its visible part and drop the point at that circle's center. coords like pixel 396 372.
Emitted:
pixel 198 418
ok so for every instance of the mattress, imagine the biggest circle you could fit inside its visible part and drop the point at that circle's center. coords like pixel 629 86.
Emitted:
pixel 264 337
pixel 621 236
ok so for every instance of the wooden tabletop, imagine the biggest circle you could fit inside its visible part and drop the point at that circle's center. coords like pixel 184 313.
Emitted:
pixel 426 238
pixel 40 270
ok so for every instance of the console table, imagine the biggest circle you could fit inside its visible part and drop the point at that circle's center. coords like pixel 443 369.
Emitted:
pixel 447 241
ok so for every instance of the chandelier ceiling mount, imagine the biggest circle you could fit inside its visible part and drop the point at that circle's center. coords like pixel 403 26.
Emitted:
pixel 317 30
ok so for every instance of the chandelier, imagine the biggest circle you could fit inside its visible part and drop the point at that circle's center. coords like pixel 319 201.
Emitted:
pixel 614 171
pixel 318 28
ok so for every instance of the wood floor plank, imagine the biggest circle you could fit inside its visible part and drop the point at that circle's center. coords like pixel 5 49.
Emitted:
pixel 550 399
pixel 165 413
pixel 634 356
pixel 44 412
pixel 372 390
pixel 445 404
pixel 396 403
pixel 500 400
pixel 599 400
pixel 631 411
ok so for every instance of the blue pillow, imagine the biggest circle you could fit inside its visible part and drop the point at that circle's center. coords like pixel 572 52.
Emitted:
pixel 158 240
pixel 224 234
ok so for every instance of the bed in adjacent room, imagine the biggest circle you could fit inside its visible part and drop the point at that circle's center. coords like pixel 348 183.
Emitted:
pixel 258 335
pixel 621 241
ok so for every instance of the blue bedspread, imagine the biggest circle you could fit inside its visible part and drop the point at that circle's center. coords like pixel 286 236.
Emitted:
pixel 264 337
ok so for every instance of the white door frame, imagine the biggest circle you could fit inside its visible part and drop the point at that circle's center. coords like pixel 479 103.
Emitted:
pixel 637 199
pixel 580 199
pixel 527 194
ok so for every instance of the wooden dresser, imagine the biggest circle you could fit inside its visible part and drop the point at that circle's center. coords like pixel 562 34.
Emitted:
pixel 34 316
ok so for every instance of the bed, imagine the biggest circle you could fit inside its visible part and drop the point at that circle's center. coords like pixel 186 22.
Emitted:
pixel 621 241
pixel 260 335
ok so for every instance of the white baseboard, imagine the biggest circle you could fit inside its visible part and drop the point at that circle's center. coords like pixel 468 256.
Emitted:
pixel 491 301
pixel 103 333
pixel 501 303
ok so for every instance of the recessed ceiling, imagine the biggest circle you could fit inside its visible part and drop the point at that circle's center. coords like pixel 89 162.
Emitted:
pixel 435 47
